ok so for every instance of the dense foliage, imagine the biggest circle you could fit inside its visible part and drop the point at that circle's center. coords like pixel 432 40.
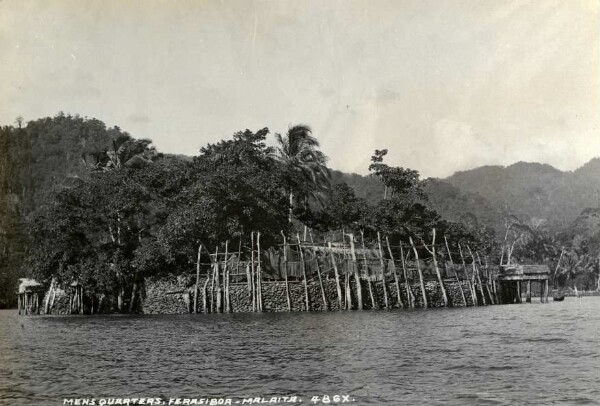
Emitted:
pixel 83 202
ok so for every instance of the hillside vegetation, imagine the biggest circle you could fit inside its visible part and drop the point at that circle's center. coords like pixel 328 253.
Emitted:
pixel 83 201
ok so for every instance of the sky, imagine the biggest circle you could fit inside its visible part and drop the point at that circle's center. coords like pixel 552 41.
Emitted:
pixel 444 85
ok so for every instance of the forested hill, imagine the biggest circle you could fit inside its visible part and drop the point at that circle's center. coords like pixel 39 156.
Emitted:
pixel 536 194
pixel 36 161
pixel 47 155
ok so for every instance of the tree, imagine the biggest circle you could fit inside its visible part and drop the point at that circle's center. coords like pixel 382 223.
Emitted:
pixel 303 166
pixel 125 152
pixel 403 182
pixel 343 209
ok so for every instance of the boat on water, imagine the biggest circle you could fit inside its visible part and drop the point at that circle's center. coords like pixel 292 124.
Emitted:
pixel 558 295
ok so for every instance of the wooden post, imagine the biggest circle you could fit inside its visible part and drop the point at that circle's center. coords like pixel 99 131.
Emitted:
pixel 19 303
pixel 205 295
pixel 421 281
pixel 471 285
pixel 519 292
pixel 437 269
pixel 52 300
pixel 205 307
pixel 385 294
pixel 215 282
pixel 547 289
pixel 47 299
pixel 258 275
pixel 337 275
pixel 325 304
pixel 197 279
pixel 528 298
pixel 462 291
pixel 348 290
pixel 347 285
pixel 249 278
pixel 226 276
pixel 285 272
pixel 409 293
pixel 396 281
pixel 541 291
pixel 366 267
pixel 487 279
pixel 356 275
pixel 252 271
pixel 81 300
pixel 303 273
pixel 219 286
pixel 476 272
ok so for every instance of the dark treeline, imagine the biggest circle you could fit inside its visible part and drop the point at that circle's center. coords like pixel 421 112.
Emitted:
pixel 86 203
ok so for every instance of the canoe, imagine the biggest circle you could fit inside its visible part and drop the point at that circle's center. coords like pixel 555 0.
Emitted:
pixel 558 298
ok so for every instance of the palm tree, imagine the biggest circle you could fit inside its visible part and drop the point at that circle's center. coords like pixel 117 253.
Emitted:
pixel 125 152
pixel 303 165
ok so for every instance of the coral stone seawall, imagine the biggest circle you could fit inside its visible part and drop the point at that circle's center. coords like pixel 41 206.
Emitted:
pixel 176 295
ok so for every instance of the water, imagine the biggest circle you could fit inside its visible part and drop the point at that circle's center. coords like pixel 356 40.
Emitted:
pixel 496 355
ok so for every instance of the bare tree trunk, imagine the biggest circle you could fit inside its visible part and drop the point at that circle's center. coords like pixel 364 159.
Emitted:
pixel 476 273
pixel 348 290
pixel 325 304
pixel 285 272
pixel 52 300
pixel 385 294
pixel 226 279
pixel 347 284
pixel 356 275
pixel 133 296
pixel 462 292
pixel 303 273
pixel 421 281
pixel 367 274
pixel 81 300
pixel 50 292
pixel 205 295
pixel 337 275
pixel 197 279
pixel 409 293
pixel 215 269
pixel 252 271
pixel 258 276
pixel 437 269
pixel 387 241
pixel 471 286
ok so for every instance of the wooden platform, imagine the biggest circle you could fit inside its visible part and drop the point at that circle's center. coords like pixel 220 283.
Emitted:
pixel 510 279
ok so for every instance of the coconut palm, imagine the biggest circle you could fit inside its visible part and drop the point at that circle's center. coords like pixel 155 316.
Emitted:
pixel 571 265
pixel 302 164
pixel 125 152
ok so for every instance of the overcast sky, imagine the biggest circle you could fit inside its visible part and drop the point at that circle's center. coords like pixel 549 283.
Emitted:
pixel 445 85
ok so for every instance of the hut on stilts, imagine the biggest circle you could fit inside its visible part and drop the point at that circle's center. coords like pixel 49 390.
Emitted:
pixel 29 296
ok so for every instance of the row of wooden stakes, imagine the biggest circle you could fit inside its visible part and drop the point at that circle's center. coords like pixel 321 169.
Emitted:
pixel 216 288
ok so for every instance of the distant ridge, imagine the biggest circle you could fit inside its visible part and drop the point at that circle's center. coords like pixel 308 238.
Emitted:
pixel 533 192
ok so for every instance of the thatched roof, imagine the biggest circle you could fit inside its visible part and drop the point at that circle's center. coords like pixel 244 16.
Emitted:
pixel 26 284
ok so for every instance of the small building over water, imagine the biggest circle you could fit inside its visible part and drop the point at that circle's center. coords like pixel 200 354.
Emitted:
pixel 29 296
pixel 513 279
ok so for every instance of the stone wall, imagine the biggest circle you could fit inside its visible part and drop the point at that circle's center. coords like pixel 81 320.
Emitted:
pixel 176 295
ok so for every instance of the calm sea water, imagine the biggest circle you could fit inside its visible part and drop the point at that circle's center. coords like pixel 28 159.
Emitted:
pixel 496 355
